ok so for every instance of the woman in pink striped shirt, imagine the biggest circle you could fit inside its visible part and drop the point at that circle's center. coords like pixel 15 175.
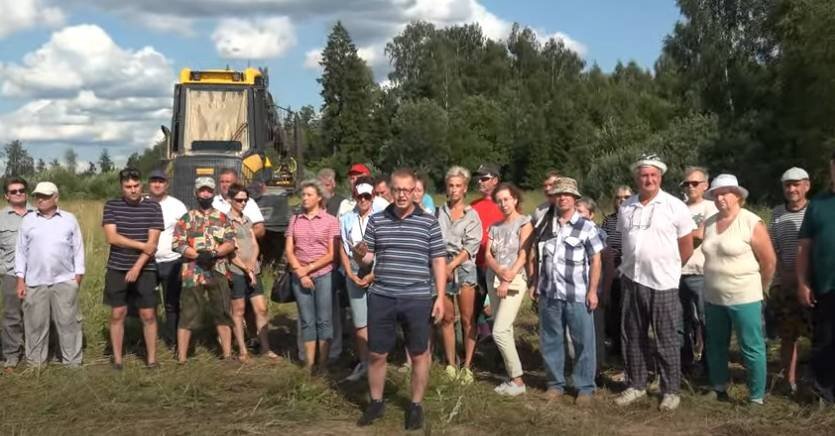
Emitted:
pixel 311 236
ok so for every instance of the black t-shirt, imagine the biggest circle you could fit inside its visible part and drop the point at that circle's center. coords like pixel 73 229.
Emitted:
pixel 133 222
pixel 332 205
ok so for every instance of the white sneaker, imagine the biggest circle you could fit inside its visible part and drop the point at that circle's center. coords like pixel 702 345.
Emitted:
pixel 500 389
pixel 629 396
pixel 359 372
pixel 451 372
pixel 512 389
pixel 669 402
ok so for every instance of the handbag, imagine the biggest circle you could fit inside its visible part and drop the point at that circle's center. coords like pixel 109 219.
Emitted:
pixel 282 291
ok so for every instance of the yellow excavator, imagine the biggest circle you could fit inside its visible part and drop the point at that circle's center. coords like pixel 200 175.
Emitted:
pixel 228 119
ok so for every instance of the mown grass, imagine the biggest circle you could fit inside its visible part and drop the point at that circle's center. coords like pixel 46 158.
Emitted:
pixel 211 397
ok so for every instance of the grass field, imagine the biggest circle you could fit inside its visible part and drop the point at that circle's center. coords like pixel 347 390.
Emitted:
pixel 210 397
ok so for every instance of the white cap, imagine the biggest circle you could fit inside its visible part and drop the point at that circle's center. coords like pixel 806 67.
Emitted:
pixel 793 174
pixel 364 188
pixel 45 188
pixel 649 160
pixel 725 181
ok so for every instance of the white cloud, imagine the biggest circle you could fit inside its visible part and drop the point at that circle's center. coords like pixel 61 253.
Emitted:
pixel 312 59
pixel 20 15
pixel 85 91
pixel 85 57
pixel 260 38
pixel 167 23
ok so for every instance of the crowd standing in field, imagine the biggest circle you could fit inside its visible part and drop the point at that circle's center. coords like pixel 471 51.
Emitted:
pixel 662 282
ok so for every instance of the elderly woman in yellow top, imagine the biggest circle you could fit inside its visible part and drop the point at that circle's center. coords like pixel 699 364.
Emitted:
pixel 739 264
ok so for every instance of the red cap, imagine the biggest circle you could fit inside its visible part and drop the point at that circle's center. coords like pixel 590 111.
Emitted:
pixel 359 168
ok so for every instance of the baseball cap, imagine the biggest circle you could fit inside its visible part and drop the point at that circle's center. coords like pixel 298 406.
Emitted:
pixel 204 182
pixel 45 188
pixel 364 188
pixel 794 174
pixel 158 174
pixel 359 168
pixel 487 170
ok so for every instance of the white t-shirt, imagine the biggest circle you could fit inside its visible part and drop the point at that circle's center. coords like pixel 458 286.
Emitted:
pixel 650 240
pixel 700 212
pixel 172 210
pixel 378 204
pixel 251 209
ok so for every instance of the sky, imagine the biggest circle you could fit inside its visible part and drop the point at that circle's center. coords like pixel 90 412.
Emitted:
pixel 95 74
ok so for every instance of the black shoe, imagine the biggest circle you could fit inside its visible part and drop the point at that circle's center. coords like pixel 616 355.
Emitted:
pixel 372 413
pixel 152 365
pixel 414 417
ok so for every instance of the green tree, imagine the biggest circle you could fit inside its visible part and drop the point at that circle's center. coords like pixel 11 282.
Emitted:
pixel 105 163
pixel 18 160
pixel 40 167
pixel 347 85
pixel 71 160
pixel 54 164
pixel 419 140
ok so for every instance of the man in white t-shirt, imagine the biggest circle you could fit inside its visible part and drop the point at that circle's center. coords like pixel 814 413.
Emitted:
pixel 227 177
pixel 657 237
pixel 692 283
pixel 168 261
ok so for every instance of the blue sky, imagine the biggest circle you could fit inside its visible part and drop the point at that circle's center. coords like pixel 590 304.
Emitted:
pixel 97 73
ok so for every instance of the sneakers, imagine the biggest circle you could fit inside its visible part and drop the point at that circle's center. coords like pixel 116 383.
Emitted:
pixel 414 417
pixel 510 389
pixel 756 402
pixel 669 402
pixel 629 396
pixel 717 395
pixel 451 373
pixel 372 413
pixel 553 394
pixel 465 376
pixel 359 372
pixel 583 400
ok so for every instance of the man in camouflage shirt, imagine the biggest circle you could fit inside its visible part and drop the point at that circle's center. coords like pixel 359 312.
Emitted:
pixel 204 237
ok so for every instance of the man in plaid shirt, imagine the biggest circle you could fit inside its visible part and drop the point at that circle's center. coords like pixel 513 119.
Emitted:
pixel 568 252
pixel 204 237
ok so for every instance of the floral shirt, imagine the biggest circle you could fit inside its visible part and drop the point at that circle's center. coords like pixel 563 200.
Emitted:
pixel 202 231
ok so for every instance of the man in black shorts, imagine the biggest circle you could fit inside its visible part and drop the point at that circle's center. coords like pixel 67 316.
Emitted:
pixel 403 241
pixel 132 226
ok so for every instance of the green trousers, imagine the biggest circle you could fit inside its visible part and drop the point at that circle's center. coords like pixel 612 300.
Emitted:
pixel 746 321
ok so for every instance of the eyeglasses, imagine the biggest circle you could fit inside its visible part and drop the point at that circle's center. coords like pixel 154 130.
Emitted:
pixel 240 200
pixel 485 178
pixel 43 197
pixel 641 225
pixel 622 197
pixel 129 174
pixel 16 191
pixel 691 183
pixel 402 191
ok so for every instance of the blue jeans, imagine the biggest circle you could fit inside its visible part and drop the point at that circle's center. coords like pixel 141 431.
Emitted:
pixel 315 308
pixel 691 292
pixel 554 317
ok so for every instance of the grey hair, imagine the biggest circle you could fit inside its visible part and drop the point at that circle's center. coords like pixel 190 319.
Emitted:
pixel 693 169
pixel 326 174
pixel 458 171
pixel 315 184
pixel 591 205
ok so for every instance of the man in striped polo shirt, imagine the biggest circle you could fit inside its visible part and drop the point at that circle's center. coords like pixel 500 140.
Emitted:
pixel 792 320
pixel 408 250
pixel 132 225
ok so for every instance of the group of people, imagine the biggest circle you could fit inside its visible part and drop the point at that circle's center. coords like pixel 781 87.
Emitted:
pixel 662 281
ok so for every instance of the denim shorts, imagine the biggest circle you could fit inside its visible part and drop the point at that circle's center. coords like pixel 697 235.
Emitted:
pixel 242 288
pixel 358 299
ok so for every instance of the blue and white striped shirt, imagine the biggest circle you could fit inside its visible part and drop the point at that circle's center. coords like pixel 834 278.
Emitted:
pixel 565 253
pixel 403 249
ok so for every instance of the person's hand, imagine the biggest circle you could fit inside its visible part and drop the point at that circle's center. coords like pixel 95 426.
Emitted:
pixel 591 301
pixel 204 259
pixel 805 296
pixel 307 282
pixel 360 250
pixel 21 290
pixel 252 278
pixel 501 291
pixel 132 275
pixel 450 274
pixel 149 248
pixel 359 281
pixel 438 310
pixel 78 278
pixel 505 274
pixel 301 271
pixel 532 292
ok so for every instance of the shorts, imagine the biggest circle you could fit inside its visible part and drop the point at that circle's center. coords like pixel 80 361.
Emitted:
pixel 413 314
pixel 358 299
pixel 142 293
pixel 242 288
pixel 213 296
pixel 792 320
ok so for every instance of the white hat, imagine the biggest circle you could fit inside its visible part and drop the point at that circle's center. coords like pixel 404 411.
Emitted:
pixel 45 188
pixel 364 188
pixel 793 174
pixel 649 160
pixel 725 181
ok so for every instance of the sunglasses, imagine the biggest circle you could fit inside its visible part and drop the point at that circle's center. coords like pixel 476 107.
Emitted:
pixel 485 179
pixel 240 200
pixel 622 197
pixel 16 191
pixel 691 183
pixel 366 197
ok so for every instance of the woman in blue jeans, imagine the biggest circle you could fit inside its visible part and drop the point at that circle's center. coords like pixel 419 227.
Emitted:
pixel 311 235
